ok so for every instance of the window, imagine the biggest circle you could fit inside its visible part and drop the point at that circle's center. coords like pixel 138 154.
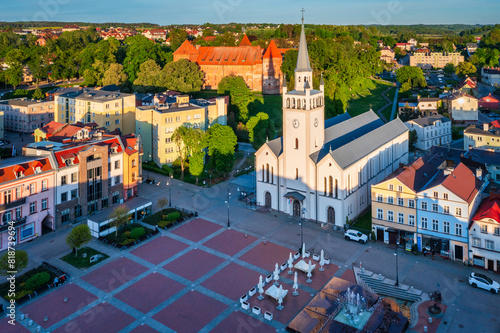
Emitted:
pixel 117 121
pixel 197 116
pixel 489 245
pixel 74 194
pixel 380 214
pixel 117 180
pixel 74 177
pixel 391 187
pixel 32 207
pixel 380 198
pixel 64 180
pixel 108 123
pixel 411 220
pixel 296 143
pixel 169 120
pixel 65 216
pixel 117 165
pixel 458 229
pixel 108 115
pixel 476 242
pixel 117 112
pixel 401 201
pixel 435 225
pixel 446 209
pixel 64 197
pixel 445 196
pixel 458 211
pixel 168 140
pixel 401 218
pixel 424 222
pixel 18 193
pixel 484 229
pixel 434 207
pixel 390 200
pixel 496 232
pixel 296 173
pixel 169 150
pixel 411 203
pixel 32 188
pixel 400 188
pixel 44 185
pixel 436 195
pixel 44 203
pixel 177 118
pixel 27 231
pixel 133 163
pixel 6 197
pixel 7 217
pixel 446 227
pixel 424 205
pixel 390 216
pixel 188 117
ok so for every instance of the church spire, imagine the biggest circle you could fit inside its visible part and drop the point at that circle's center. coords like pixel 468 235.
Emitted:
pixel 303 64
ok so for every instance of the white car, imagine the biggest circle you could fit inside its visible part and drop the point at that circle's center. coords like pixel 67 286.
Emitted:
pixel 478 280
pixel 356 236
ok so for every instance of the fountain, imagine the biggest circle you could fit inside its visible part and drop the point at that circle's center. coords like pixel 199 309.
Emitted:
pixel 354 311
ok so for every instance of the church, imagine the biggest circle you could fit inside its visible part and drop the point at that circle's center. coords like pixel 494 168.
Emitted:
pixel 322 170
pixel 260 68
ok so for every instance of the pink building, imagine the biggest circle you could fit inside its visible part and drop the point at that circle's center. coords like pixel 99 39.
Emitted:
pixel 26 198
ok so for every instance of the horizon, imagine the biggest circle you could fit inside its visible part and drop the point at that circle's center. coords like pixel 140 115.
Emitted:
pixel 373 12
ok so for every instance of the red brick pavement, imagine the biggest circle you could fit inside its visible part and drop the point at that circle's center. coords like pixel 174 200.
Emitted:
pixel 267 255
pixel 159 249
pixel 149 292
pixel 190 313
pixel 423 318
pixel 5 327
pixel 194 264
pixel 237 321
pixel 196 229
pixel 114 274
pixel 230 242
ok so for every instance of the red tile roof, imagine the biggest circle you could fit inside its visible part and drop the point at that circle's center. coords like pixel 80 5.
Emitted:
pixel 186 48
pixel 224 55
pixel 416 175
pixel 489 209
pixel 9 173
pixel 52 127
pixel 65 133
pixel 463 183
pixel 489 98
pixel 245 41
pixel 130 142
pixel 272 51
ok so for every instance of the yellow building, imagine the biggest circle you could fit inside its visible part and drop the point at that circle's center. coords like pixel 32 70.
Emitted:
pixel 156 123
pixel 435 59
pixel 110 109
pixel 130 165
pixel 487 137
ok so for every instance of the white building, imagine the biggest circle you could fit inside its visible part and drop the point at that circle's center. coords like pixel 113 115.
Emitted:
pixel 323 171
pixel 485 234
pixel 491 75
pixel 431 131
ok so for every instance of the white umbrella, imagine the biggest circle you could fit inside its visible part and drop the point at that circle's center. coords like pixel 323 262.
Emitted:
pixel 309 270
pixel 322 255
pixel 290 263
pixel 303 250
pixel 260 286
pixel 280 298
pixel 276 276
pixel 322 261
pixel 295 284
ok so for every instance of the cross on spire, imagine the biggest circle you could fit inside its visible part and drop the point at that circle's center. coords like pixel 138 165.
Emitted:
pixel 303 11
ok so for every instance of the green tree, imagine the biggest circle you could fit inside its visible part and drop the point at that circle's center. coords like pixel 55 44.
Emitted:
pixel 119 217
pixel 258 129
pixel 197 142
pixel 16 264
pixel 239 93
pixel 465 69
pixel 449 69
pixel 138 50
pixel 197 164
pixel 148 76
pixel 114 75
pixel 177 37
pixel 413 137
pixel 221 146
pixel 162 202
pixel 406 73
pixel 78 236
pixel 181 137
pixel 38 94
pixel 183 76
pixel 13 74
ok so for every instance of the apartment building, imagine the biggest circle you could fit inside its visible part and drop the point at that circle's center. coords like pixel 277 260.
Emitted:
pixel 110 109
pixel 26 198
pixel 491 75
pixel 156 123
pixel 25 115
pixel 463 108
pixel 431 131
pixel 487 137
pixel 434 59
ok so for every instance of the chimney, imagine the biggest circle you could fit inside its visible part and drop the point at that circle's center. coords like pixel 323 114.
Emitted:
pixel 479 173
pixel 448 171
pixel 486 127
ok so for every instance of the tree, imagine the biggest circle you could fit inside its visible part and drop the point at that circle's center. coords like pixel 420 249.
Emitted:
pixel 196 164
pixel 465 69
pixel 119 217
pixel 38 94
pixel 78 236
pixel 258 129
pixel 114 75
pixel 148 76
pixel 181 138
pixel 197 142
pixel 413 137
pixel 15 264
pixel 13 74
pixel 221 146
pixel 183 75
pixel 162 202
pixel 449 69
pixel 406 73
pixel 239 93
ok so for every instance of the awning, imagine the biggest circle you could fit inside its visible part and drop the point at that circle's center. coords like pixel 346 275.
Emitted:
pixel 295 195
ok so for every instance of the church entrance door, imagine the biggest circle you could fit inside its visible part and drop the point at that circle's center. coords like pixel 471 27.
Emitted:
pixel 331 215
pixel 296 208
pixel 268 200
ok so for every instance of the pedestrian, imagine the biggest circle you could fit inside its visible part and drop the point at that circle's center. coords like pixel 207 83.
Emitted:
pixel 425 252
pixel 433 252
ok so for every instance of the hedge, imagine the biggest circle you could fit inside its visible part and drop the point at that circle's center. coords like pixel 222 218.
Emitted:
pixel 37 280
pixel 174 216
pixel 137 233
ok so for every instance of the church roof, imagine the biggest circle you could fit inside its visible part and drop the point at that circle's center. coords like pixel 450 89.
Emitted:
pixel 272 51
pixel 224 55
pixel 337 119
pixel 186 48
pixel 276 146
pixel 303 64
pixel 245 41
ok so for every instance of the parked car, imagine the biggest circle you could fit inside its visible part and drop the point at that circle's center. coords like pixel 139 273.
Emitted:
pixel 478 280
pixel 356 236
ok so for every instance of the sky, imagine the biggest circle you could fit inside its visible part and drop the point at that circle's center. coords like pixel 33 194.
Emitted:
pixel 166 12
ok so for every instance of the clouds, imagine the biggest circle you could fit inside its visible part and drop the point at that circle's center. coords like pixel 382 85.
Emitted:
pixel 256 11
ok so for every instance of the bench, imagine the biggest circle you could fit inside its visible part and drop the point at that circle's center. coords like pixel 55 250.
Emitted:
pixel 245 306
pixel 256 310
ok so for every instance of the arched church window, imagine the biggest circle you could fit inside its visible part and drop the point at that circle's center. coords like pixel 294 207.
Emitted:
pixel 288 102
pixel 272 175
pixel 296 143
pixel 304 103
pixel 336 188
pixel 263 179
pixel 325 185
pixel 299 78
pixel 267 173
pixel 298 104
pixel 330 186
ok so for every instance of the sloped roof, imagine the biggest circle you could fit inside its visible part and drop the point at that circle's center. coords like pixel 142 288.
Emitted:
pixel 245 41
pixel 225 55
pixel 129 142
pixel 66 132
pixel 186 48
pixel 337 119
pixel 272 51
pixel 489 209
pixel 51 127
pixel 276 146
pixel 462 182
pixel 303 64
pixel 427 121
pixel 416 175
pixel 27 164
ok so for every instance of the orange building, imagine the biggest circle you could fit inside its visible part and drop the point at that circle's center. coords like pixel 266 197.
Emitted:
pixel 261 69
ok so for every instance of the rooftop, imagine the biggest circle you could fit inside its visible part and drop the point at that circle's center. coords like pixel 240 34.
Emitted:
pixel 429 121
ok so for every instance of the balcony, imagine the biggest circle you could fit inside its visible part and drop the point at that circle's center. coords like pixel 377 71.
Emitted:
pixel 17 223
pixel 13 204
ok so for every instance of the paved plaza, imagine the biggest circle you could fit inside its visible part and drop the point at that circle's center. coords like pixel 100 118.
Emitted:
pixel 189 279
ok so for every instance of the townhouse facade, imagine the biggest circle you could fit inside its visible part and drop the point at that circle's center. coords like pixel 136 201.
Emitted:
pixel 487 137
pixel 25 115
pixel 431 131
pixel 26 199
pixel 463 108
pixel 112 110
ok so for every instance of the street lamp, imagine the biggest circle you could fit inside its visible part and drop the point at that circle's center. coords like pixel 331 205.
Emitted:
pixel 149 159
pixel 396 254
pixel 301 223
pixel 227 201
pixel 169 184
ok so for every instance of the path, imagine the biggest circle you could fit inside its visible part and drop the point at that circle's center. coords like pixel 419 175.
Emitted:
pixel 395 104
pixel 389 102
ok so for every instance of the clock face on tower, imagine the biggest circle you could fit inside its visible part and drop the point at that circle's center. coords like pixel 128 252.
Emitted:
pixel 316 122
pixel 295 123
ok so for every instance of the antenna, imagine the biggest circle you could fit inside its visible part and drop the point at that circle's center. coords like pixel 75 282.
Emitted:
pixel 303 11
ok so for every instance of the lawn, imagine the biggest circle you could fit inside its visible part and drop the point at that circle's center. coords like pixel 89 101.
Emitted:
pixel 21 282
pixel 370 97
pixel 82 260
pixel 364 222
pixel 388 110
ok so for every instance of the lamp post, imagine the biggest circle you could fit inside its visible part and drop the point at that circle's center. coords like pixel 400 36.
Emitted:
pixel 301 223
pixel 169 184
pixel 227 201
pixel 396 254
pixel 149 160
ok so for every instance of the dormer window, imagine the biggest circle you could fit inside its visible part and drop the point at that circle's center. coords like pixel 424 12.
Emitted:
pixel 38 169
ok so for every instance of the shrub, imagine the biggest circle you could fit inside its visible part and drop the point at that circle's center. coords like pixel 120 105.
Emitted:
pixel 164 224
pixel 137 233
pixel 127 241
pixel 173 216
pixel 167 168
pixel 126 235
pixel 37 280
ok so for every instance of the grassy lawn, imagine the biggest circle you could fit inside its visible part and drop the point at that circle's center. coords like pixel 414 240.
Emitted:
pixel 371 96
pixel 364 222
pixel 388 110
pixel 21 280
pixel 79 261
